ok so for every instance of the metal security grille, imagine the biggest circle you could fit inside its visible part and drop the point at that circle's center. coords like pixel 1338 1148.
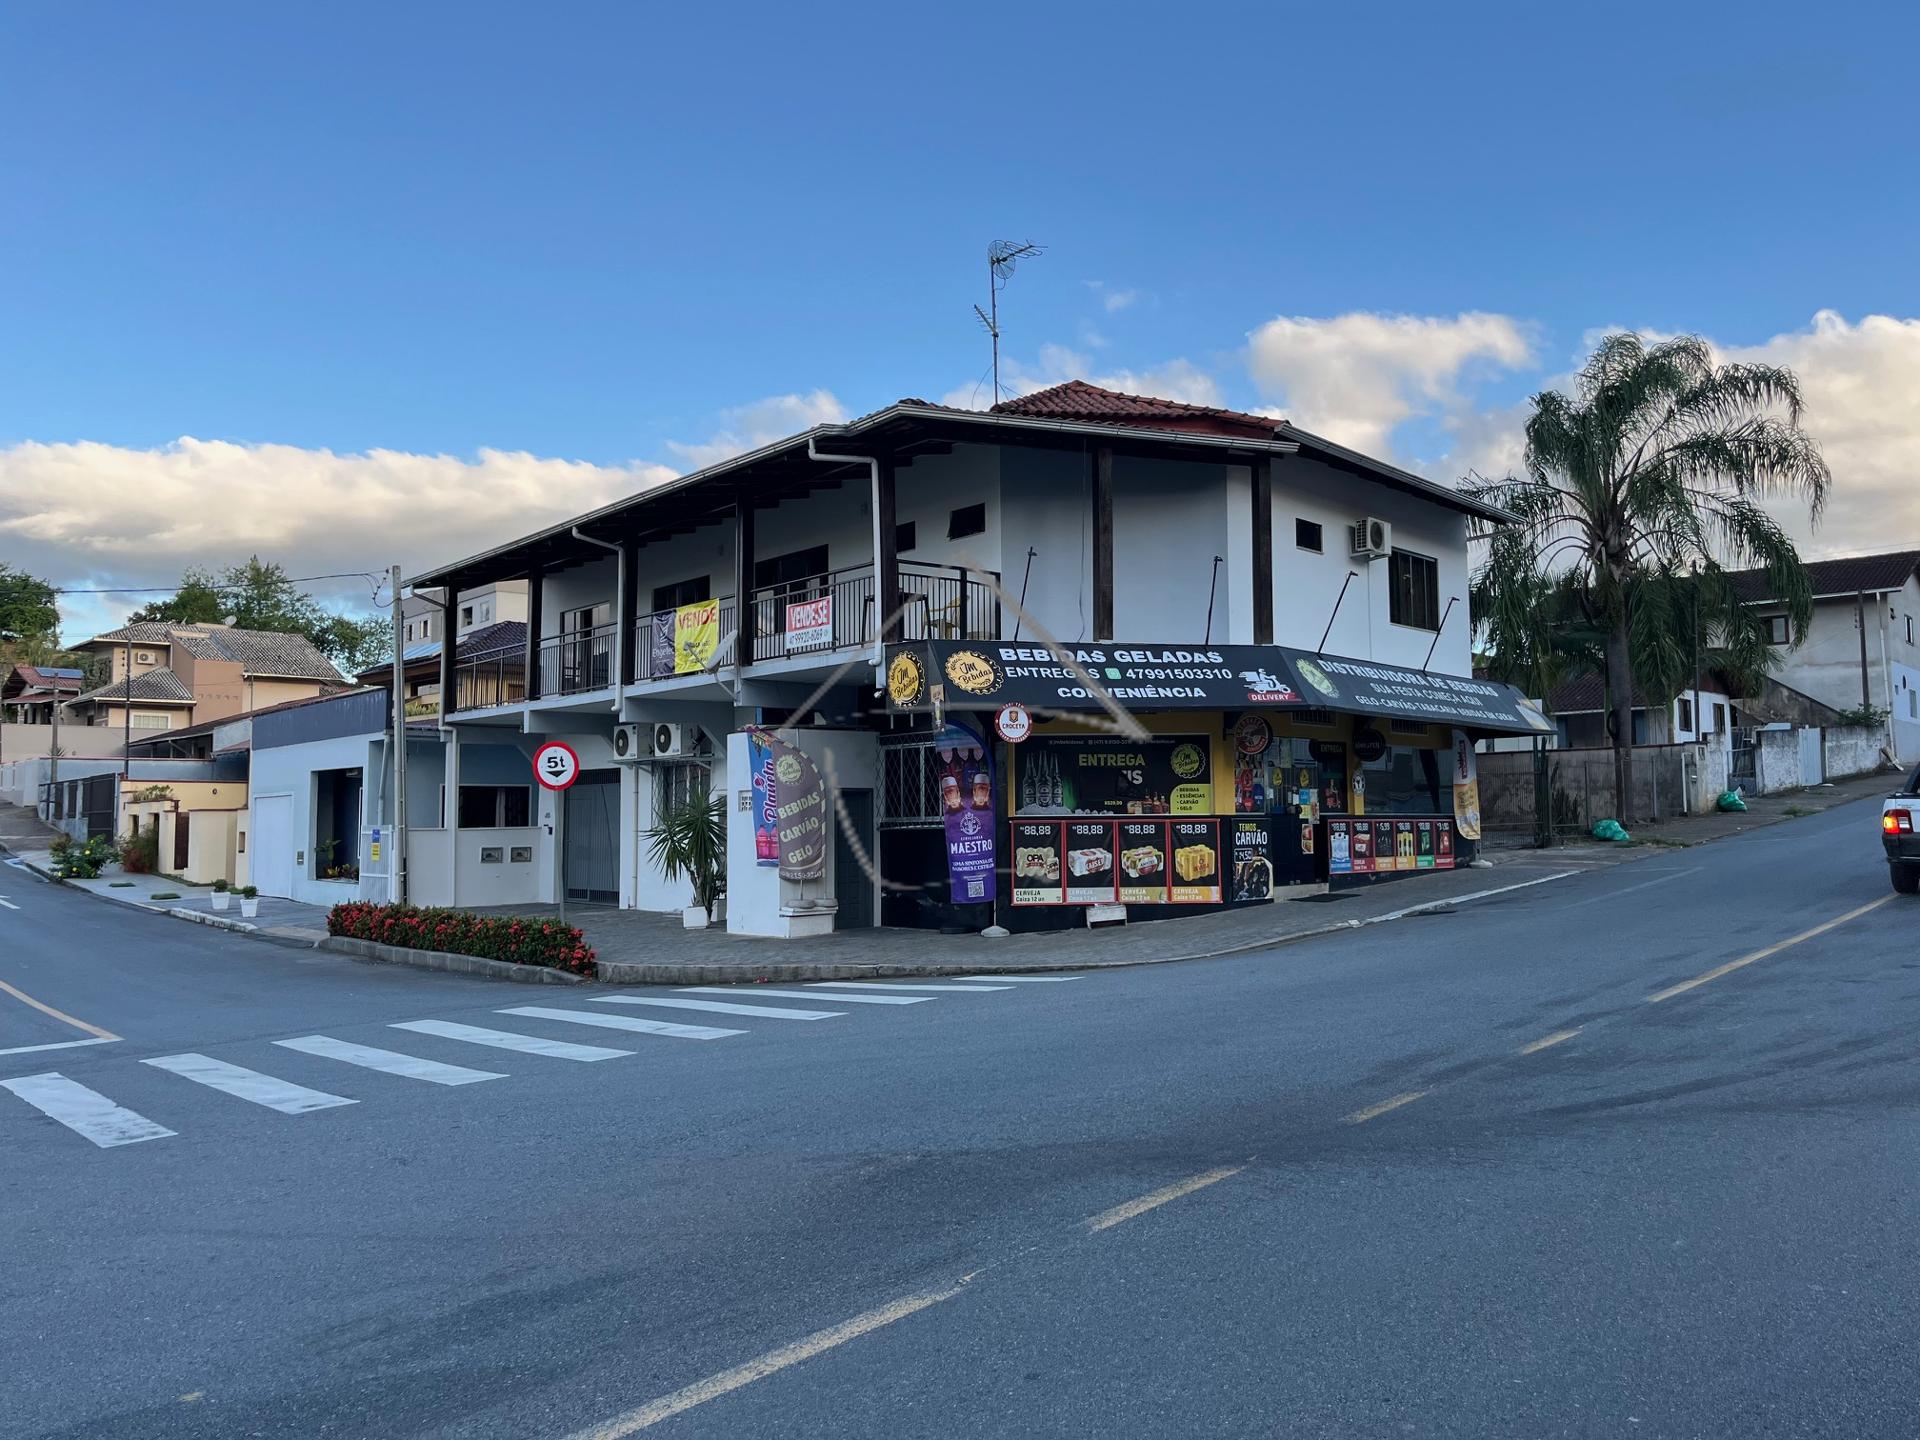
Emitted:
pixel 910 785
pixel 1408 727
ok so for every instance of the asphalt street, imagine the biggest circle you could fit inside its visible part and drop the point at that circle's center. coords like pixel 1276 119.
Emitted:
pixel 1507 1170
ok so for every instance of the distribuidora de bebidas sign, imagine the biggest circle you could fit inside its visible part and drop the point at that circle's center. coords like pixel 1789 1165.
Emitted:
pixel 972 675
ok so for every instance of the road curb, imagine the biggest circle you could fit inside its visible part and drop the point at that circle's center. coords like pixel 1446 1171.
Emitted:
pixel 373 953
pixel 218 922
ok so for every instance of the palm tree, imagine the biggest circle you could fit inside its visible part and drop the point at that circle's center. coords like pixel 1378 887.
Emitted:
pixel 1636 488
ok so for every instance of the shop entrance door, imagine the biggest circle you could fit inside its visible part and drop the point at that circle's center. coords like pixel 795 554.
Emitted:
pixel 852 884
pixel 591 862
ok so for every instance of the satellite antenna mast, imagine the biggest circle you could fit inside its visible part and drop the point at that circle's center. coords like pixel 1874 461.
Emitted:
pixel 1001 256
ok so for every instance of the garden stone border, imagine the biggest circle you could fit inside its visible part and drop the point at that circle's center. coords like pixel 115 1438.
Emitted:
pixel 373 952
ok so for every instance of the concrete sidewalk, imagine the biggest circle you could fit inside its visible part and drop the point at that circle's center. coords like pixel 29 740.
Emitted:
pixel 278 919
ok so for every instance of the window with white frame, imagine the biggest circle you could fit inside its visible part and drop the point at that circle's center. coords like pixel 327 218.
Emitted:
pixel 1777 630
pixel 1413 597
pixel 495 807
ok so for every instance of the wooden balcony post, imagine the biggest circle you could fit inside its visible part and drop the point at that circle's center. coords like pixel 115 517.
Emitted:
pixel 1102 485
pixel 886 560
pixel 626 613
pixel 449 644
pixel 745 616
pixel 530 681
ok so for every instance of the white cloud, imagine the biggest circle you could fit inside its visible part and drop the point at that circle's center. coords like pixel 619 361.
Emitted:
pixel 1171 380
pixel 128 517
pixel 748 427
pixel 1116 300
pixel 1356 377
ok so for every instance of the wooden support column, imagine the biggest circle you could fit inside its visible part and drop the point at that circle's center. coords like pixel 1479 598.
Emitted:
pixel 449 645
pixel 1263 550
pixel 1102 478
pixel 746 621
pixel 886 562
pixel 628 601
pixel 536 580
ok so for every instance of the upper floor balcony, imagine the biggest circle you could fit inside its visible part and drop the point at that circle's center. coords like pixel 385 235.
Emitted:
pixel 817 615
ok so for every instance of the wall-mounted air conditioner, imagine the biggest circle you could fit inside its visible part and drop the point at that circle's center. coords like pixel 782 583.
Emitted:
pixel 672 741
pixel 1372 538
pixel 629 744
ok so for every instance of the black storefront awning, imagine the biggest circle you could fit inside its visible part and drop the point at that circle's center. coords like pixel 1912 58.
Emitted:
pixel 978 675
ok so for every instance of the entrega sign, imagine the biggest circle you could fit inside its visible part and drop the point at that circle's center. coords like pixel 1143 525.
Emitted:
pixel 983 675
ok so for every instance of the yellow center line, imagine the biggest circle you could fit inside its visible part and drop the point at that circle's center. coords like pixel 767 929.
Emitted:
pixel 1360 1117
pixel 774 1361
pixel 1558 1037
pixel 25 998
pixel 1107 1219
pixel 1775 949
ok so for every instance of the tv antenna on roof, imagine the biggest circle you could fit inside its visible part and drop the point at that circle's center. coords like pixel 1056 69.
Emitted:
pixel 1001 257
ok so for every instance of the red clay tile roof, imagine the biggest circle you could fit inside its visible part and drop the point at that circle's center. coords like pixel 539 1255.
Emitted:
pixel 1848 575
pixel 1077 400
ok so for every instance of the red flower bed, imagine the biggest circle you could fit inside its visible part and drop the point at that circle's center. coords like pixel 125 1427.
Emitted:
pixel 520 939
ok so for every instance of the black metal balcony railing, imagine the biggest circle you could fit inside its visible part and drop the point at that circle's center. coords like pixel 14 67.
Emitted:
pixel 577 662
pixel 836 611
pixel 653 634
pixel 481 682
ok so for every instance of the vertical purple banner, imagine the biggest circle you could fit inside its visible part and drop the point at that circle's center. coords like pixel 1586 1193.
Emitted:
pixel 967 807
pixel 766 800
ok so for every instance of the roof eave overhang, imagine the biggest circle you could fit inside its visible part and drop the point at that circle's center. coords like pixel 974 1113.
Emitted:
pixel 493 564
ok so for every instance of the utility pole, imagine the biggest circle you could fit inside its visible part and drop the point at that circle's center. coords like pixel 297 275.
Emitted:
pixel 397 866
pixel 1698 729
pixel 126 717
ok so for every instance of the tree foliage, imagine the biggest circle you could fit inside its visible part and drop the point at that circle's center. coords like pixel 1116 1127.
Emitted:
pixel 27 609
pixel 257 595
pixel 1640 490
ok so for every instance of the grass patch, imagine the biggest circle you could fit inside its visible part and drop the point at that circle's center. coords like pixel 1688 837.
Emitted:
pixel 120 884
pixel 165 895
pixel 1665 842
pixel 1794 812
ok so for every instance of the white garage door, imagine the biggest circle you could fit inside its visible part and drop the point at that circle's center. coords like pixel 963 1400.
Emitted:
pixel 272 843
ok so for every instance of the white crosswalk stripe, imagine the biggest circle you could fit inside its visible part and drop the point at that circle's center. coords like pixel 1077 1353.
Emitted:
pixel 237 1080
pixel 507 1040
pixel 390 1062
pixel 624 1022
pixel 756 992
pixel 1023 979
pixel 722 1007
pixel 896 985
pixel 83 1111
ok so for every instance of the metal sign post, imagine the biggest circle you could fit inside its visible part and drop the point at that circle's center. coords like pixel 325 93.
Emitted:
pixel 556 767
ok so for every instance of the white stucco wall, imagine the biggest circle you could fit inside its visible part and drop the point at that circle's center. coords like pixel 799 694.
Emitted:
pixel 756 893
pixel 291 770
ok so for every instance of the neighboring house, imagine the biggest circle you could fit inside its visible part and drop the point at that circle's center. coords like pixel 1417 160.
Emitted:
pixel 28 693
pixel 1578 709
pixel 1285 617
pixel 503 642
pixel 1863 645
pixel 423 614
pixel 184 675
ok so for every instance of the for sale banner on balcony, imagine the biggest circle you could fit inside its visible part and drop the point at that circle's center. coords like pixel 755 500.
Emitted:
pixel 810 624
pixel 696 636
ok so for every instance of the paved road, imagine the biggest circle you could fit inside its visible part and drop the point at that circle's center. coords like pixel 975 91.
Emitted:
pixel 1455 1175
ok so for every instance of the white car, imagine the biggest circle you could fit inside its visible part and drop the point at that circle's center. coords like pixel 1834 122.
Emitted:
pixel 1900 833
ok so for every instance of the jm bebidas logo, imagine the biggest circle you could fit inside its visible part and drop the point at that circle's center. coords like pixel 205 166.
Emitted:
pixel 973 672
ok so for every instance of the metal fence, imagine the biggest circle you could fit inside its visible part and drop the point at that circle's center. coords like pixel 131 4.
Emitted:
pixel 1556 796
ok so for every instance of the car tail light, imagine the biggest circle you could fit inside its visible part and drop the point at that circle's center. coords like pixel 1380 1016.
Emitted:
pixel 1897 822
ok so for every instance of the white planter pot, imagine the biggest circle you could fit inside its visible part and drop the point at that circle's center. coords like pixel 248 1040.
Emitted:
pixel 220 899
pixel 694 917
pixel 249 908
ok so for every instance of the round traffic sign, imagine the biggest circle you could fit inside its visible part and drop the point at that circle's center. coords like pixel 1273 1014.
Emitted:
pixel 555 765
pixel 1014 722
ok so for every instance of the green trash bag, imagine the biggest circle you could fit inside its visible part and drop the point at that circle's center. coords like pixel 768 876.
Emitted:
pixel 1610 830
pixel 1730 800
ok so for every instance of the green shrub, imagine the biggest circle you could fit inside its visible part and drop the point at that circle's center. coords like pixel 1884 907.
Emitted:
pixel 248 892
pixel 519 939
pixel 83 860
pixel 140 854
pixel 220 887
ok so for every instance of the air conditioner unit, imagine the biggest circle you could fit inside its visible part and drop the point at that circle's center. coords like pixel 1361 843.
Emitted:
pixel 1371 538
pixel 143 657
pixel 670 741
pixel 628 744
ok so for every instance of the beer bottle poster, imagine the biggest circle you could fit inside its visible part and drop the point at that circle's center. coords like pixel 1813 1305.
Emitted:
pixel 1443 845
pixel 1423 844
pixel 1195 861
pixel 1142 857
pixel 1037 872
pixel 1404 854
pixel 1090 874
pixel 1386 854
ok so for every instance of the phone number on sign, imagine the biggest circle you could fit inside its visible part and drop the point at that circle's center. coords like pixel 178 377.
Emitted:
pixel 1143 672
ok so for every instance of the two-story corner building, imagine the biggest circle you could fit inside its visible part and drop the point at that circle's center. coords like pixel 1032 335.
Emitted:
pixel 1282 619
pixel 183 675
pixel 1863 645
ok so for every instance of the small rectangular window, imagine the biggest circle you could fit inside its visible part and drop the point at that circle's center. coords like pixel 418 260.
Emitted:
pixel 967 520
pixel 1686 713
pixel 1909 629
pixel 1413 597
pixel 1306 534
pixel 1719 717
pixel 490 807
pixel 903 537
pixel 1776 629
pixel 682 592
pixel 466 616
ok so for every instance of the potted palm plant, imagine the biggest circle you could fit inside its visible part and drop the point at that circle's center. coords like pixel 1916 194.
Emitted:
pixel 690 843
pixel 222 894
pixel 249 901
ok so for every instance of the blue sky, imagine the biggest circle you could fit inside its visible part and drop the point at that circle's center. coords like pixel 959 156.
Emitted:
pixel 444 230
